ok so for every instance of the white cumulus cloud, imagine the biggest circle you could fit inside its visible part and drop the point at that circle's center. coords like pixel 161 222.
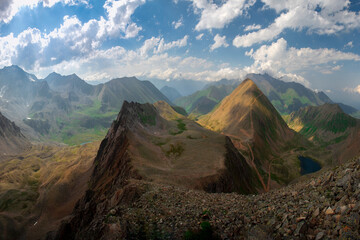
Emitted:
pixel 349 45
pixel 353 90
pixel 72 39
pixel 217 16
pixel 279 56
pixel 9 8
pixel 317 16
pixel 280 60
pixel 252 27
pixel 199 37
pixel 158 45
pixel 178 23
pixel 218 42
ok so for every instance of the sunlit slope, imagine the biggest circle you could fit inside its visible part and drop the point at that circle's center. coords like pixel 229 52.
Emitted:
pixel 249 118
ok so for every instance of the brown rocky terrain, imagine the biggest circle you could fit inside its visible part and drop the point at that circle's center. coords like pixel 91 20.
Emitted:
pixel 323 206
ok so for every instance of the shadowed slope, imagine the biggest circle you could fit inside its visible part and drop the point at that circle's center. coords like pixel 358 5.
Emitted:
pixel 12 141
pixel 330 127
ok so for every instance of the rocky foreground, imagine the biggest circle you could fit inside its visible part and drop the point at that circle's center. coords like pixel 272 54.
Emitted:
pixel 326 206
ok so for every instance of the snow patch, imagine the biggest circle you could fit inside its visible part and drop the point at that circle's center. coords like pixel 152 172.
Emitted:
pixel 2 91
pixel 31 78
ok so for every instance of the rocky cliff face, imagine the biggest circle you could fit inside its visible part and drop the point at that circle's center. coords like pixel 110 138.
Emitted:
pixel 120 165
pixel 12 141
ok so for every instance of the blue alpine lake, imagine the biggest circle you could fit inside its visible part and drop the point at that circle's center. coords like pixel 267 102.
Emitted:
pixel 308 165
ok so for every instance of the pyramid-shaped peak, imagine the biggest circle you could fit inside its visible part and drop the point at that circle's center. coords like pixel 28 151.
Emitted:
pixel 166 111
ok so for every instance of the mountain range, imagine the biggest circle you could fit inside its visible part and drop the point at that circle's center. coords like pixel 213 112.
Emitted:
pixel 155 162
pixel 66 108
pixel 171 93
pixel 286 97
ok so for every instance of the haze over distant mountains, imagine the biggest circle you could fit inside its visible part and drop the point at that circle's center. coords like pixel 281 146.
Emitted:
pixel 66 108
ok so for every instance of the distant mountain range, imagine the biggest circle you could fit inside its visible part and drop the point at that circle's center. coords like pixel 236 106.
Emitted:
pixel 170 93
pixel 184 87
pixel 285 96
pixel 66 108
pixel 202 102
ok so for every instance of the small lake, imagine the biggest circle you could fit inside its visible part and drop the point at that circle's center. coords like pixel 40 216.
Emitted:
pixel 308 165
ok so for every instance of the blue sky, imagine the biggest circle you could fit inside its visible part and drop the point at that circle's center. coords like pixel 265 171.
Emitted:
pixel 314 42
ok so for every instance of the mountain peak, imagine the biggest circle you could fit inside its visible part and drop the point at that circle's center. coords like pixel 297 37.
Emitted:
pixel 14 67
pixel 166 111
pixel 74 75
pixel 249 82
pixel 53 74
pixel 247 88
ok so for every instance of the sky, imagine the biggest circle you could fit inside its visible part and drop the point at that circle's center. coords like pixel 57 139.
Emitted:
pixel 313 42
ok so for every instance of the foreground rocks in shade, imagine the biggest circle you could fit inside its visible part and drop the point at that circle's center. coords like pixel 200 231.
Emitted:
pixel 298 211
